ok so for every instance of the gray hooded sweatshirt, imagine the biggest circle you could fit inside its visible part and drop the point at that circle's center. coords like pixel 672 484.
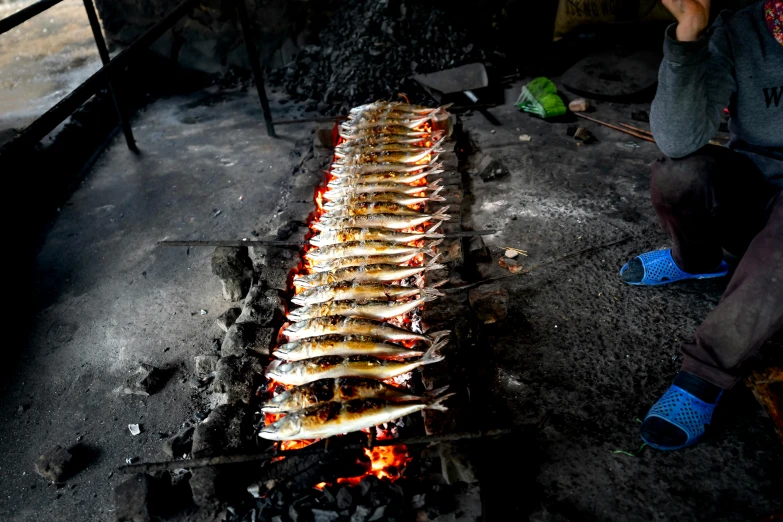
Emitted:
pixel 737 64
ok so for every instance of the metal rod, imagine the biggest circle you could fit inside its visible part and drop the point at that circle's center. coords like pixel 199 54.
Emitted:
pixel 151 467
pixel 327 119
pixel 65 107
pixel 471 233
pixel 23 15
pixel 615 127
pixel 255 65
pixel 104 54
pixel 227 243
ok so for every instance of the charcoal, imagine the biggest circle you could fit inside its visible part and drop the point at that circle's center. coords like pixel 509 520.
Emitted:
pixel 180 444
pixel 227 318
pixel 344 498
pixel 145 381
pixel 490 168
pixel 236 379
pixel 361 514
pixel 260 306
pixel 377 514
pixel 388 42
pixel 223 431
pixel 323 515
pixel 247 338
pixel 235 270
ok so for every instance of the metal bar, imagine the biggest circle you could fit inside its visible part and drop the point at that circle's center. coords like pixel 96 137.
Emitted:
pixel 255 65
pixel 229 243
pixel 65 107
pixel 104 54
pixel 23 15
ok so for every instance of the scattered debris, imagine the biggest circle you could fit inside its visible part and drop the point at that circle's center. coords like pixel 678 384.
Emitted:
pixel 131 460
pixel 578 105
pixel 571 130
pixel 55 465
pixel 202 312
pixel 489 303
pixel 135 429
pixel 489 168
pixel 511 254
pixel 227 318
pixel 516 251
pixel 179 444
pixel 510 264
pixel 235 270
pixel 525 137
pixel 584 135
pixel 145 380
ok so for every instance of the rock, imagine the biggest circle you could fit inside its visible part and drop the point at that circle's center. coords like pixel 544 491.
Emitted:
pixel 477 250
pixel 344 499
pixel 203 487
pixel 489 168
pixel 361 514
pixel 511 254
pixel 132 499
pixel 179 444
pixel 326 134
pixel 273 277
pixel 242 338
pixel 223 431
pixel 227 318
pixel 260 306
pixel 578 105
pixel 584 135
pixel 510 264
pixel 525 137
pixel 278 257
pixel 205 365
pixel 449 160
pixel 489 303
pixel 55 465
pixel 571 130
pixel 145 380
pixel 235 270
pixel 236 380
pixel 323 515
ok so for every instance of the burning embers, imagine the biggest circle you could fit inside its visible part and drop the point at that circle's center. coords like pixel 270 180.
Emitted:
pixel 356 336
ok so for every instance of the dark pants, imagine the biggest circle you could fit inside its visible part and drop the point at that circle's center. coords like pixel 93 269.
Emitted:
pixel 715 199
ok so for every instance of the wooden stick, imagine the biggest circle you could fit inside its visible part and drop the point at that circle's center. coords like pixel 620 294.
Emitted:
pixel 615 127
pixel 637 129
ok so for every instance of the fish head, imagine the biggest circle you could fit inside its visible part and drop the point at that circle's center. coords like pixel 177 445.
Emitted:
pixel 286 428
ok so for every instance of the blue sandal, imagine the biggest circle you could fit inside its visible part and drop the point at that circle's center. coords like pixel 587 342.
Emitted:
pixel 660 269
pixel 683 410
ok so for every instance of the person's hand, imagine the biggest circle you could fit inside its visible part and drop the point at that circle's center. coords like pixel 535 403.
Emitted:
pixel 692 17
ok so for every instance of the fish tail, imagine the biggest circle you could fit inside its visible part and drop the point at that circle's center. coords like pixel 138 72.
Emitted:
pixel 432 265
pixel 437 336
pixel 441 215
pixel 435 185
pixel 435 243
pixel 435 404
pixel 444 107
pixel 426 297
pixel 436 392
pixel 435 196
pixel 432 291
pixel 430 231
pixel 432 355
pixel 438 284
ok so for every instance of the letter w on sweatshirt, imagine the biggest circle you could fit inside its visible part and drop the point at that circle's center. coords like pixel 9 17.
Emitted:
pixel 772 95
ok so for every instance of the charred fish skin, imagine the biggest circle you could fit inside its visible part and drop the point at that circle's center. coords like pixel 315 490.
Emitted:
pixel 357 291
pixel 337 325
pixel 344 346
pixel 333 418
pixel 330 265
pixel 339 390
pixel 349 179
pixel 354 189
pixel 370 309
pixel 343 235
pixel 377 273
pixel 363 248
pixel 391 221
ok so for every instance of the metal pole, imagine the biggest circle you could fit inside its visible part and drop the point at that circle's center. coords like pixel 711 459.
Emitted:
pixel 21 16
pixel 255 65
pixel 65 107
pixel 104 53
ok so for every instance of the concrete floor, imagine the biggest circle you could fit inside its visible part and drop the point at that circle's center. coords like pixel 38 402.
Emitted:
pixel 105 298
pixel 577 344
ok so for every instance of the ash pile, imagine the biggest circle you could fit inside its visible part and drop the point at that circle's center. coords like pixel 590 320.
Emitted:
pixel 370 49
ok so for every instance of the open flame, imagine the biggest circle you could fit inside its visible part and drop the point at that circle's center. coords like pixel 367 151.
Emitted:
pixel 387 462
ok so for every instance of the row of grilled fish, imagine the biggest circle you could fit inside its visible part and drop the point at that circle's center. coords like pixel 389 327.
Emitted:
pixel 371 246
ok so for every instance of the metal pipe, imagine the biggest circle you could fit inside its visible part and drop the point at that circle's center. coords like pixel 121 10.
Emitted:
pixel 37 130
pixel 23 15
pixel 255 65
pixel 104 54
pixel 228 243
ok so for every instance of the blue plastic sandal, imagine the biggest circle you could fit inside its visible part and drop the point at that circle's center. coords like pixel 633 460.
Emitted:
pixel 683 410
pixel 660 269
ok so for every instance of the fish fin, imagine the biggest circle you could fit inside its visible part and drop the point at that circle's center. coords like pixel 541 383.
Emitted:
pixel 433 228
pixel 435 404
pixel 434 266
pixel 435 243
pixel 437 336
pixel 432 355
pixel 432 291
pixel 435 185
pixel 427 297
pixel 441 215
pixel 435 197
pixel 444 107
pixel 436 392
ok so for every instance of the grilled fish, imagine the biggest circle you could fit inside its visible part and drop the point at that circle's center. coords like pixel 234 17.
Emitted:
pixel 387 156
pixel 382 105
pixel 333 237
pixel 364 248
pixel 372 144
pixel 370 309
pixel 345 346
pixel 339 390
pixel 349 133
pixel 392 221
pixel 376 122
pixel 356 290
pixel 337 325
pixel 330 265
pixel 333 366
pixel 355 187
pixel 377 273
pixel 347 200
pixel 348 182
pixel 373 207
pixel 347 167
pixel 333 418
